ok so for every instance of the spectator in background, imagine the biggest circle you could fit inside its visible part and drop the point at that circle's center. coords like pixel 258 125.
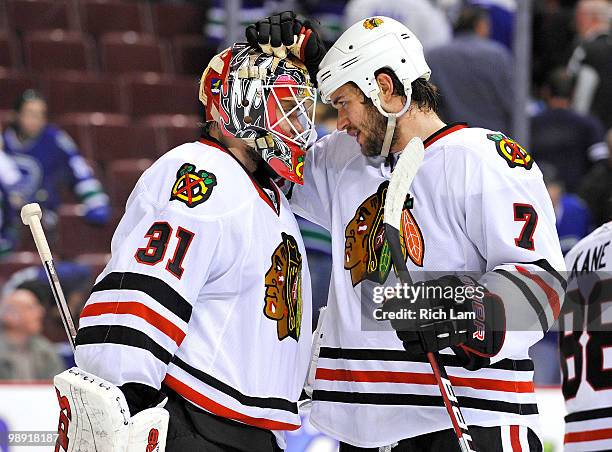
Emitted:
pixel 47 158
pixel 570 141
pixel 596 188
pixel 24 353
pixel 591 62
pixel 426 21
pixel 501 14
pixel 572 214
pixel 9 177
pixel 553 38
pixel 76 281
pixel 474 73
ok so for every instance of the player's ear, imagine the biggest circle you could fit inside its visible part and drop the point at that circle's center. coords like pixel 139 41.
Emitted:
pixel 385 84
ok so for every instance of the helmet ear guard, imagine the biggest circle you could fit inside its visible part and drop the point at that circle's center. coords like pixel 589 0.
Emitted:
pixel 246 92
pixel 364 48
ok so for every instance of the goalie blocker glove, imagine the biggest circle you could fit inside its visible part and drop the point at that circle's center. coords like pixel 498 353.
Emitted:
pixel 284 32
pixel 454 312
pixel 94 415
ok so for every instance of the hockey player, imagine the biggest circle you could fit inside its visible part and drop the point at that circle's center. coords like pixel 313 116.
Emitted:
pixel 585 338
pixel 477 204
pixel 206 299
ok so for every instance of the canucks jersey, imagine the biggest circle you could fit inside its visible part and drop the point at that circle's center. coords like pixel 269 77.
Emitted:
pixel 477 204
pixel 585 343
pixel 46 163
pixel 207 292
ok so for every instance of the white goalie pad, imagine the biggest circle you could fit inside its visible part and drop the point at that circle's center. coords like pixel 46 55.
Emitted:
pixel 94 415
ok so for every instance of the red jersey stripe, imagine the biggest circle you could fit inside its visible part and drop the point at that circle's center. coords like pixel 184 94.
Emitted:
pixel 262 194
pixel 551 294
pixel 515 441
pixel 446 130
pixel 216 408
pixel 375 376
pixel 588 435
pixel 140 310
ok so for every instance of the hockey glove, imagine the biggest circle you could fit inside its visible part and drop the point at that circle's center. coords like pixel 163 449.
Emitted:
pixel 283 32
pixel 450 312
pixel 94 415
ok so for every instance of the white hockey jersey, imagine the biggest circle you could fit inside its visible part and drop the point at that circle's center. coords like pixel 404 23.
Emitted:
pixel 207 291
pixel 585 343
pixel 478 203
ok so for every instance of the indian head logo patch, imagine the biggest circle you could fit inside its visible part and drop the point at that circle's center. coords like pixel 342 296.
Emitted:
pixel 512 152
pixel 372 22
pixel 367 255
pixel 283 298
pixel 192 187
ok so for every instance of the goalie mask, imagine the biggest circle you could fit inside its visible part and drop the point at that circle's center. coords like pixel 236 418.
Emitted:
pixel 264 100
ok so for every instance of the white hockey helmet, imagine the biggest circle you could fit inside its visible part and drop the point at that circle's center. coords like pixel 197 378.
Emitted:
pixel 367 46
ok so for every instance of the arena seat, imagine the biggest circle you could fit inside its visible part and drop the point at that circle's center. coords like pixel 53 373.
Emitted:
pixel 174 130
pixel 75 236
pixel 16 261
pixel 51 50
pixel 102 16
pixel 191 54
pixel 122 176
pixel 30 15
pixel 9 53
pixel 133 52
pixel 151 93
pixel 81 92
pixel 111 137
pixel 172 19
pixel 12 84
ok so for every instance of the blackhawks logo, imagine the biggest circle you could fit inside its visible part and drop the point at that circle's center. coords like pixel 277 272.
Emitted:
pixel 283 298
pixel 372 23
pixel 367 253
pixel 512 152
pixel 192 187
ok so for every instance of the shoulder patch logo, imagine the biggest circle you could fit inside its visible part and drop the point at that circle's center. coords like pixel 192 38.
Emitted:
pixel 512 152
pixel 192 187
pixel 215 85
pixel 283 297
pixel 367 255
pixel 372 22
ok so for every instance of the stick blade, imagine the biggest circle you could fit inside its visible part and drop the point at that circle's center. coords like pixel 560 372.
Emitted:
pixel 401 180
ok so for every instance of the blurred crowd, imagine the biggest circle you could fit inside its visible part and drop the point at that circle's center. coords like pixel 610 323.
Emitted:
pixel 469 46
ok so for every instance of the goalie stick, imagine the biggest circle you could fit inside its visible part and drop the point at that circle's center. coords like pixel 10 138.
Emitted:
pixel 31 215
pixel 401 180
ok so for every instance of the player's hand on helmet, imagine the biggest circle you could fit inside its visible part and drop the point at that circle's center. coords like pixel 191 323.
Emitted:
pixel 448 314
pixel 284 32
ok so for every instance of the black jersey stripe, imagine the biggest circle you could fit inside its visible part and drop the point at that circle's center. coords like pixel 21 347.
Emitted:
pixel 122 335
pixel 368 398
pixel 369 354
pixel 600 413
pixel 535 303
pixel 259 402
pixel 544 265
pixel 155 288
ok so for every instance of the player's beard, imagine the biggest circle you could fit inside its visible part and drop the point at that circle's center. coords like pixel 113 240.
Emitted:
pixel 373 130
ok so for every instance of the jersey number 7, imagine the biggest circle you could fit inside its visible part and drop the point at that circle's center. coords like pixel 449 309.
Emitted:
pixel 159 235
pixel 526 213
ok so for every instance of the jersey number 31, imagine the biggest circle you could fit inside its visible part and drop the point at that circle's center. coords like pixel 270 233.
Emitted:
pixel 159 235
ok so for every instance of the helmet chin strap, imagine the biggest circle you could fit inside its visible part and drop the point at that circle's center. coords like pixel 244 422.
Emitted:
pixel 391 120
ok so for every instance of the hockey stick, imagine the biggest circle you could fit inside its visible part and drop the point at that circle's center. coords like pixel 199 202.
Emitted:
pixel 401 180
pixel 31 215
